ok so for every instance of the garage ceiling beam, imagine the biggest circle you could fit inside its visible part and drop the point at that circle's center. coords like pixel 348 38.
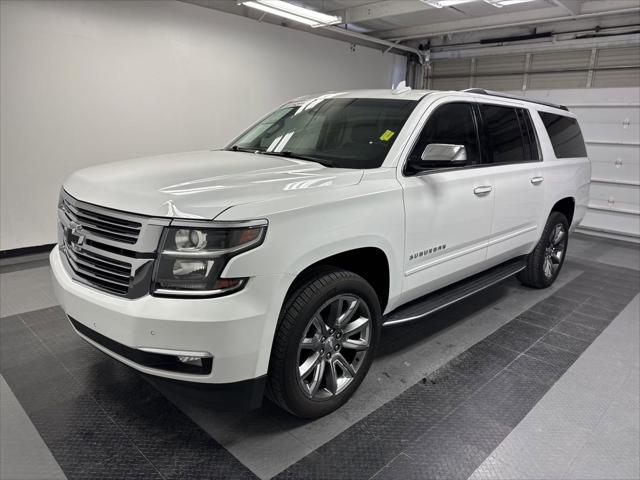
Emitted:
pixel 379 41
pixel 527 17
pixel 388 8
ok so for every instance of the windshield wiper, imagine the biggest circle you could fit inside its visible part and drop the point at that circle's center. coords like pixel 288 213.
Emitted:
pixel 236 148
pixel 289 154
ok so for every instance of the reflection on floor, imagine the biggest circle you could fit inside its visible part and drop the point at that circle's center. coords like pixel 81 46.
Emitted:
pixel 514 383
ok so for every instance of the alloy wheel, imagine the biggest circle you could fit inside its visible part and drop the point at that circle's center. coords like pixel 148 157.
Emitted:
pixel 554 251
pixel 333 346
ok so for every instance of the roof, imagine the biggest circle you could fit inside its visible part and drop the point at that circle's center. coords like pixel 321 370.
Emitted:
pixel 417 95
pixel 387 93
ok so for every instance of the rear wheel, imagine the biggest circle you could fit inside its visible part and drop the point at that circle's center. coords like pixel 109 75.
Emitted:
pixel 546 260
pixel 324 346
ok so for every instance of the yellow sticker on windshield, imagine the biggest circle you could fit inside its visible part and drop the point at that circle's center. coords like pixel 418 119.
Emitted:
pixel 386 136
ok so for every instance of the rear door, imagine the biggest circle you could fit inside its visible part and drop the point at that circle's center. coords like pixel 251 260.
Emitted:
pixel 511 153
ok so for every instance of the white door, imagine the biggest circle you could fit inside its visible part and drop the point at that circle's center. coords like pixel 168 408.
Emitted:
pixel 448 206
pixel 511 149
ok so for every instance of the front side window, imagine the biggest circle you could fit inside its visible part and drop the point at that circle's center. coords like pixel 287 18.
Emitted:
pixel 449 124
pixel 565 135
pixel 336 132
pixel 504 141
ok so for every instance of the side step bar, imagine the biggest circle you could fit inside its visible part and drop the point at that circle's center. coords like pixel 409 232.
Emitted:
pixel 446 296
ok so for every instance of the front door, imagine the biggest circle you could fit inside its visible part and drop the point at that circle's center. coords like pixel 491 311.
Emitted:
pixel 448 206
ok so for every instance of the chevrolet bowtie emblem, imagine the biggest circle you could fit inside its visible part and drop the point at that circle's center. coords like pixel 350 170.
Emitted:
pixel 74 236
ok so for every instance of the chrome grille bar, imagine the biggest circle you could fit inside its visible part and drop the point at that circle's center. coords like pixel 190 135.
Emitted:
pixel 86 264
pixel 97 277
pixel 102 225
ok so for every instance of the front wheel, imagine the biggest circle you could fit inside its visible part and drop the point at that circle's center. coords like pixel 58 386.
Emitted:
pixel 325 343
pixel 546 260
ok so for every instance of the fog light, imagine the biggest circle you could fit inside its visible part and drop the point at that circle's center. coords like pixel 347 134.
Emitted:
pixel 197 361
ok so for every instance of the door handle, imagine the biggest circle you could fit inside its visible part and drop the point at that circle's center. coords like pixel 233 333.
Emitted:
pixel 482 190
pixel 537 180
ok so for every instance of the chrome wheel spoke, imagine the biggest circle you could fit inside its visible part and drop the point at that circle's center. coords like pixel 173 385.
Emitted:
pixel 319 324
pixel 547 267
pixel 345 366
pixel 355 344
pixel 309 365
pixel 332 378
pixel 313 343
pixel 556 257
pixel 334 314
pixel 352 304
pixel 558 235
pixel 318 375
pixel 355 327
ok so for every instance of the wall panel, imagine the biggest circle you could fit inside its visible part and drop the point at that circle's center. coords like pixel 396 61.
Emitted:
pixel 87 82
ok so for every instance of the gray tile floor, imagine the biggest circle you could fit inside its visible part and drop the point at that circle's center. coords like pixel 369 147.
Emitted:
pixel 587 426
pixel 267 442
pixel 23 453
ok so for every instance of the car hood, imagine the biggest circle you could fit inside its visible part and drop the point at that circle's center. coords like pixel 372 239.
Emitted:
pixel 201 184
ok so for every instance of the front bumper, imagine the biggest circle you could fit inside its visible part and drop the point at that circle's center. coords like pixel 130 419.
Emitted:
pixel 236 329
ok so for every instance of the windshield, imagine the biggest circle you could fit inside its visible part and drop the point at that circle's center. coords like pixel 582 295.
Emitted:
pixel 336 132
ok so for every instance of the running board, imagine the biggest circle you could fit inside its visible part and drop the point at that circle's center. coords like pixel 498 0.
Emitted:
pixel 446 296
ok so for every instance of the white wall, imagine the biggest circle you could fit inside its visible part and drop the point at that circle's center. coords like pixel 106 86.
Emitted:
pixel 86 82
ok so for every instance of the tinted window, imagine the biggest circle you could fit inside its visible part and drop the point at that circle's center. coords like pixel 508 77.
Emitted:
pixel 503 135
pixel 337 132
pixel 529 134
pixel 566 137
pixel 452 123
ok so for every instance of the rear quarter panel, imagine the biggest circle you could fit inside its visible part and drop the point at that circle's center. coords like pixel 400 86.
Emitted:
pixel 563 177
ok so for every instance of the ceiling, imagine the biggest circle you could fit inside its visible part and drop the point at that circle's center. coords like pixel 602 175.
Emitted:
pixel 383 18
pixel 415 22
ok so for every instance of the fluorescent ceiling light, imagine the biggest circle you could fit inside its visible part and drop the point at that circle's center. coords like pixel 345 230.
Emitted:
pixel 293 12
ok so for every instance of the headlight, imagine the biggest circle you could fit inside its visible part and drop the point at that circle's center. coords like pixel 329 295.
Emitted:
pixel 193 255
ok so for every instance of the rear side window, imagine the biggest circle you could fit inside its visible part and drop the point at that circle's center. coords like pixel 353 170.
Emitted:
pixel 504 141
pixel 566 137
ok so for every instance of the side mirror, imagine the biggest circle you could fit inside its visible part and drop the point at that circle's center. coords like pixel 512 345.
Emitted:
pixel 444 153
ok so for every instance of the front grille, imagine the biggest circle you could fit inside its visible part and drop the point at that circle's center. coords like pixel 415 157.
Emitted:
pixel 106 249
pixel 106 226
pixel 110 275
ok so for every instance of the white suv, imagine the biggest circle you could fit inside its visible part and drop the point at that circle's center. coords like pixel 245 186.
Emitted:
pixel 272 265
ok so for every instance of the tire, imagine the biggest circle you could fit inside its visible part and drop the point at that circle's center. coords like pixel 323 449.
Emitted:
pixel 546 260
pixel 310 333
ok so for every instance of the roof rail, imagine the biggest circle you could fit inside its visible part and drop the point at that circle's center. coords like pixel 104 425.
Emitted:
pixel 491 93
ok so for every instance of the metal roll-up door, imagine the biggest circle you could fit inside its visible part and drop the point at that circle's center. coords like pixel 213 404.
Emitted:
pixel 450 74
pixel 559 69
pixel 615 67
pixel 492 72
